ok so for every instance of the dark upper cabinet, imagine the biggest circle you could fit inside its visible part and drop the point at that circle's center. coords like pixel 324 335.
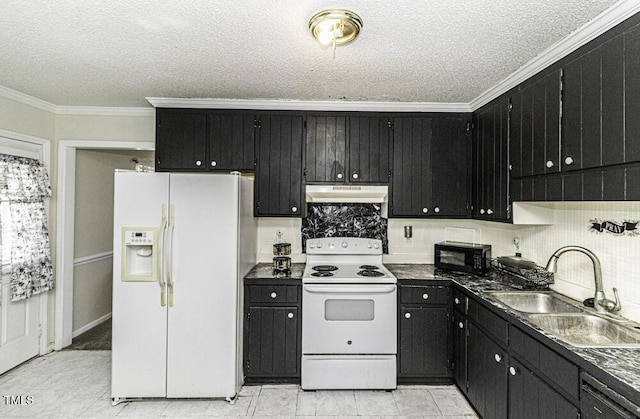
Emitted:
pixel 231 141
pixel 204 140
pixel 181 139
pixel 369 147
pixel 326 148
pixel 490 165
pixel 345 148
pixel 278 186
pixel 534 127
pixel 430 168
pixel 593 108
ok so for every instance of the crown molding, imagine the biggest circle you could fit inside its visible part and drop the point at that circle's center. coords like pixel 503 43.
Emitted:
pixel 27 100
pixel 310 105
pixel 611 17
pixel 104 111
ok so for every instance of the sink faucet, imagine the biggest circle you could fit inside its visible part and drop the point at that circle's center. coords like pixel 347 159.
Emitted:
pixel 600 301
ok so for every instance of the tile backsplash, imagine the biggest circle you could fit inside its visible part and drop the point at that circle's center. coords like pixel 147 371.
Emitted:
pixel 619 255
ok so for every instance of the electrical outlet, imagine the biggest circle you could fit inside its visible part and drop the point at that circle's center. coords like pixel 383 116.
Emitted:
pixel 279 234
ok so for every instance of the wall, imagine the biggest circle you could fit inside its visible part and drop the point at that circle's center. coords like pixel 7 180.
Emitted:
pixel 618 255
pixel 93 225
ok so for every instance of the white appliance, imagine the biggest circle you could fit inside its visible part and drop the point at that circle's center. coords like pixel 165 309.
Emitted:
pixel 349 316
pixel 182 243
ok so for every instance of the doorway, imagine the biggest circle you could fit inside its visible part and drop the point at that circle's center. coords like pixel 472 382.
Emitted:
pixel 90 254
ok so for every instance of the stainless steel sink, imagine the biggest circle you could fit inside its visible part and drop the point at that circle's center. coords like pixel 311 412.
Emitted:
pixel 534 301
pixel 587 330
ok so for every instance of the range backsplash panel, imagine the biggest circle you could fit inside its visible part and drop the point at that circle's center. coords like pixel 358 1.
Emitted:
pixel 344 220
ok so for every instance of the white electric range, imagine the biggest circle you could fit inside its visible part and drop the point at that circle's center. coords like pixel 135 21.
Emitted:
pixel 349 316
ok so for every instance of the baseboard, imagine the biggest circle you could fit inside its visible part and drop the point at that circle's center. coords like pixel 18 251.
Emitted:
pixel 91 325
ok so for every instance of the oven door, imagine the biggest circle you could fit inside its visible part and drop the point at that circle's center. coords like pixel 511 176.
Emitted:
pixel 349 319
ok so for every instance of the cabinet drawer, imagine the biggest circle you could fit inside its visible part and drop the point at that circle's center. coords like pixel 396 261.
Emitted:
pixel 424 295
pixel 490 322
pixel 557 370
pixel 273 294
pixel 460 301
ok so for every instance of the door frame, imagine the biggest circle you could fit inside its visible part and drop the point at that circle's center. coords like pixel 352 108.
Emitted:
pixel 65 227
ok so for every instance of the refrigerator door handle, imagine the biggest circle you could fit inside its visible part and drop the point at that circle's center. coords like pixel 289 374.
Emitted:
pixel 169 254
pixel 161 280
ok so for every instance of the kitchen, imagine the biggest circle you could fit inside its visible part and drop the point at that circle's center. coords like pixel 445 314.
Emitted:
pixel 572 220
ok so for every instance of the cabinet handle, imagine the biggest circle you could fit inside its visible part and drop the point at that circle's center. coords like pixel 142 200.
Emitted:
pixel 294 209
pixel 549 164
pixel 510 167
pixel 355 176
pixel 198 163
pixel 489 211
pixel 425 296
pixel 274 295
pixel 339 176
pixel 513 371
pixel 407 315
pixel 456 300
pixel 425 210
pixel 568 161
pixel 290 315
pixel 497 357
pixel 214 163
pixel 461 325
pixel 436 209
pixel 481 211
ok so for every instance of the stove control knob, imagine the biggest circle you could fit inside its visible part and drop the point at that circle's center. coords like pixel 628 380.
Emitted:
pixel 311 245
pixel 376 246
pixel 369 245
pixel 345 245
pixel 319 245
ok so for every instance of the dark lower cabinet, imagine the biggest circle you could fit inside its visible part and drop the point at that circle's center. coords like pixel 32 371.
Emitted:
pixel 272 333
pixel 423 334
pixel 459 356
pixel 487 375
pixel 532 398
pixel 599 401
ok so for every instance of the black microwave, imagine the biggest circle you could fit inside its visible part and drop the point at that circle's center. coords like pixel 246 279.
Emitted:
pixel 463 257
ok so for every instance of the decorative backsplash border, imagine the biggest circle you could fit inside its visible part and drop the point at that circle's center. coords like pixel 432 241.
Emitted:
pixel 617 228
pixel 345 220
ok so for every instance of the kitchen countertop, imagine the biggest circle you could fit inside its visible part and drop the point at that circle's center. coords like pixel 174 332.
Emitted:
pixel 265 271
pixel 621 365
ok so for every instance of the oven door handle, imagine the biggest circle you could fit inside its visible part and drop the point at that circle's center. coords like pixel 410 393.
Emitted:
pixel 359 289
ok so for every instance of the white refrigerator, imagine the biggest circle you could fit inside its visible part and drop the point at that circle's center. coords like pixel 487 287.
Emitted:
pixel 182 244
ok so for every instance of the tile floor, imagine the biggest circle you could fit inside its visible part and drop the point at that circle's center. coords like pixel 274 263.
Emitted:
pixel 76 384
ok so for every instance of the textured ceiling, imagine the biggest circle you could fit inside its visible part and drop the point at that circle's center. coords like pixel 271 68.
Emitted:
pixel 117 52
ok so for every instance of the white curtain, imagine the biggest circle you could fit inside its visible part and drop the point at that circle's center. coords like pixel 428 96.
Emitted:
pixel 24 183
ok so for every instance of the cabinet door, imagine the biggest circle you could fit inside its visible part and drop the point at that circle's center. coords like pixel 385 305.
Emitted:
pixel 272 342
pixel 450 157
pixel 487 375
pixel 423 343
pixel 459 364
pixel 411 175
pixel 279 167
pixel 181 139
pixel 534 128
pixel 531 398
pixel 369 147
pixel 326 148
pixel 231 141
pixel 594 108
pixel 491 162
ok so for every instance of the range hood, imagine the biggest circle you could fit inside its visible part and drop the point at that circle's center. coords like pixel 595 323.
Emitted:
pixel 347 194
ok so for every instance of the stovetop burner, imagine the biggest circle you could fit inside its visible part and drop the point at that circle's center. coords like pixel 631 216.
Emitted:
pixel 325 268
pixel 370 273
pixel 369 267
pixel 322 273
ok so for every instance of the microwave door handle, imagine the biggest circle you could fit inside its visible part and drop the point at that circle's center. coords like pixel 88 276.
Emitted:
pixel 360 289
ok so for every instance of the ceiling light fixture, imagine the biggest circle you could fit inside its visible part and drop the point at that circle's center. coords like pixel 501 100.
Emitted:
pixel 335 27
